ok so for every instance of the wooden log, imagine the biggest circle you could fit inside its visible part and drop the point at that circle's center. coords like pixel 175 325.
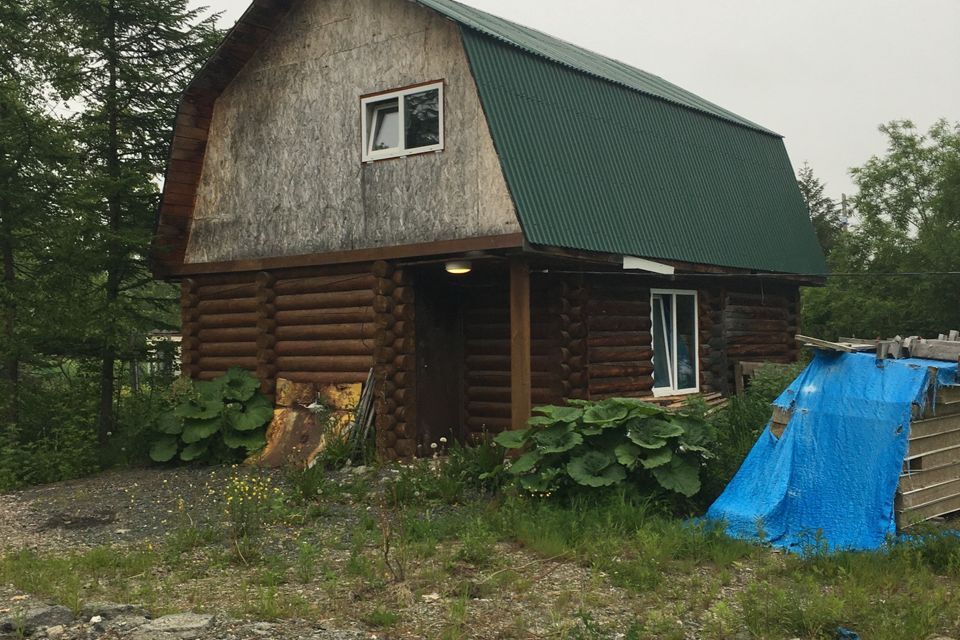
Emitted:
pixel 382 269
pixel 733 324
pixel 766 312
pixel 620 354
pixel 228 320
pixel 325 316
pixel 618 385
pixel 755 299
pixel 403 311
pixel 325 284
pixel 325 377
pixel 405 345
pixel 619 339
pixel 403 294
pixel 341 331
pixel 227 348
pixel 405 362
pixel 383 304
pixel 324 348
pixel 502 362
pixel 229 334
pixel 604 307
pixel 619 323
pixel 227 362
pixel 227 305
pixel 538 395
pixel 326 300
pixel 757 350
pixel 220 291
pixel 324 363
pixel 598 371
pixel 489 409
pixel 502 378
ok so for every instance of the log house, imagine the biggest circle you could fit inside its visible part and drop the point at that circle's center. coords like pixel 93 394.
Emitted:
pixel 488 217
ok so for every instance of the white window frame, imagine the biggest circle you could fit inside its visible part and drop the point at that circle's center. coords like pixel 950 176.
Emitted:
pixel 671 389
pixel 368 108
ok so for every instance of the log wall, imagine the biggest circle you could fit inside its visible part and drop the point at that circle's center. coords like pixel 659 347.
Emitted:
pixel 313 325
pixel 486 366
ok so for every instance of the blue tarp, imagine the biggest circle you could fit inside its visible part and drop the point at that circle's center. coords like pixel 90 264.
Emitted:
pixel 830 479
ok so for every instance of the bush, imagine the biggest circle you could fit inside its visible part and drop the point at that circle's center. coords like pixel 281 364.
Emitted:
pixel 738 425
pixel 588 445
pixel 214 420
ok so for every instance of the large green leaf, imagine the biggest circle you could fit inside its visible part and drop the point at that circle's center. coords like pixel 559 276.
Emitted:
pixel 253 414
pixel 557 439
pixel 680 475
pixel 657 458
pixel 596 469
pixel 542 482
pixel 195 430
pixel 169 423
pixel 526 462
pixel 560 414
pixel 199 408
pixel 193 451
pixel 663 428
pixel 239 384
pixel 627 453
pixel 639 408
pixel 696 433
pixel 605 412
pixel 209 389
pixel 164 448
pixel 250 440
pixel 512 439
pixel 643 438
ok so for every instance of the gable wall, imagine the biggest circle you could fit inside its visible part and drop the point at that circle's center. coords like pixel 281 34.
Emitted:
pixel 282 173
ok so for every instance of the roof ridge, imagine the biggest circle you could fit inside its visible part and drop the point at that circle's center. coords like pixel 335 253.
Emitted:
pixel 624 74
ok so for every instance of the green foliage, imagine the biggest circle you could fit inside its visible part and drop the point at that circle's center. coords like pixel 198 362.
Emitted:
pixel 605 443
pixel 216 420
pixel 738 425
pixel 906 220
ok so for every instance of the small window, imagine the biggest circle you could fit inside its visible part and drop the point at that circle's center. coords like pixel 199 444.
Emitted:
pixel 675 348
pixel 402 123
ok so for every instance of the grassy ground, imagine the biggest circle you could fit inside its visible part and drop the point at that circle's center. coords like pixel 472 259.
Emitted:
pixel 416 553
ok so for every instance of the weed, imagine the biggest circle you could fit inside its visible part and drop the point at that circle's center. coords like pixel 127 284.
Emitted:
pixel 306 566
pixel 381 617
pixel 306 484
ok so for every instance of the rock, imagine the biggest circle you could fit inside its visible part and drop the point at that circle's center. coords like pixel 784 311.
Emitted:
pixel 35 617
pixel 110 610
pixel 183 626
pixel 359 471
pixel 56 631
pixel 96 619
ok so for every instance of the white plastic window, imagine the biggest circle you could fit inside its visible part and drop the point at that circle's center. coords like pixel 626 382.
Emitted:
pixel 402 123
pixel 675 344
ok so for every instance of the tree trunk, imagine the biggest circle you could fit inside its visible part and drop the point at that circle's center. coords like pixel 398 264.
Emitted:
pixel 114 245
pixel 11 356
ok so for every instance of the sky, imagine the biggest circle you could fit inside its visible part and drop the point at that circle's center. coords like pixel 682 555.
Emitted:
pixel 822 73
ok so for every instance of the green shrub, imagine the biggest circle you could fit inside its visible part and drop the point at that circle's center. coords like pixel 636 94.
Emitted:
pixel 214 421
pixel 601 444
pixel 738 424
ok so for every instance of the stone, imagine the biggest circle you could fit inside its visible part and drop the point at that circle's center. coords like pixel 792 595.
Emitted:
pixel 110 610
pixel 181 626
pixel 56 631
pixel 36 617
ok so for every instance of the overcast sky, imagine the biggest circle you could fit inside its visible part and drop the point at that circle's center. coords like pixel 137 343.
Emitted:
pixel 823 73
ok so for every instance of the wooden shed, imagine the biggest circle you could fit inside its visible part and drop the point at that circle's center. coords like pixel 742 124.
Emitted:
pixel 488 217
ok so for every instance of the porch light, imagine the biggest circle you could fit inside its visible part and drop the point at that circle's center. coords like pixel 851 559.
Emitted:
pixel 458 267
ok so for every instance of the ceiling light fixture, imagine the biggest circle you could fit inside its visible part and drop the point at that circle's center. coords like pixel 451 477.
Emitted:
pixel 458 267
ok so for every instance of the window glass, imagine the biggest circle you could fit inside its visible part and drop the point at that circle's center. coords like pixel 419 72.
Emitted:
pixel 686 341
pixel 674 337
pixel 386 126
pixel 421 114
pixel 662 328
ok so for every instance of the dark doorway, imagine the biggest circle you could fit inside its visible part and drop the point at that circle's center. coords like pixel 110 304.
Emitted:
pixel 439 336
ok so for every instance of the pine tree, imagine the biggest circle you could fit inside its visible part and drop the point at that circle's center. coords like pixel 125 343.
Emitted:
pixel 827 218
pixel 136 57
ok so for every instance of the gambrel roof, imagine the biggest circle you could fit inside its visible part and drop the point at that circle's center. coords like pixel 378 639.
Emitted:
pixel 598 156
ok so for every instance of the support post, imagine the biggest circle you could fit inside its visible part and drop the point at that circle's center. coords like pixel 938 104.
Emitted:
pixel 519 343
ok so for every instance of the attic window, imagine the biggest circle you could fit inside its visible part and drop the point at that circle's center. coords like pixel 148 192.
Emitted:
pixel 403 122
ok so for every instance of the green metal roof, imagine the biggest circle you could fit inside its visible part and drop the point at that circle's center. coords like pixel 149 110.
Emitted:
pixel 599 156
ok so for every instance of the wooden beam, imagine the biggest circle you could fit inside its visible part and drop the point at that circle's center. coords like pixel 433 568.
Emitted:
pixel 520 381
pixel 440 247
